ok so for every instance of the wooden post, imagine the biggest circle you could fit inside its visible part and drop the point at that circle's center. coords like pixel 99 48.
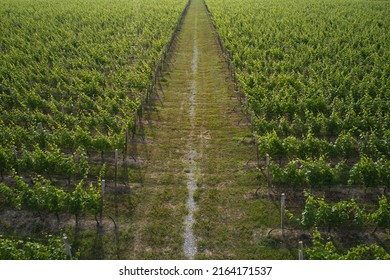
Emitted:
pixel 283 201
pixel 67 247
pixel 116 167
pixel 300 250
pixel 103 183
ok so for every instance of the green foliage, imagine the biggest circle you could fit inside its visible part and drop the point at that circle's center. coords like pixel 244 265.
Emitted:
pixel 82 164
pixel 313 173
pixel 6 195
pixel 93 203
pixel 366 172
pixel 271 144
pixel 51 249
pixel 321 250
pixel 93 73
pixel 341 215
pixel 5 160
pixel 44 197
pixel 317 87
pixel 52 199
pixel 365 252
pixel 327 251
pixel 26 197
pixel 77 201
pixel 346 145
pixel 72 76
pixel 381 217
pixel 74 86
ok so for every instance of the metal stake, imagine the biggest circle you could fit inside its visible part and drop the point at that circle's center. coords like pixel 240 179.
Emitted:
pixel 67 247
pixel 300 251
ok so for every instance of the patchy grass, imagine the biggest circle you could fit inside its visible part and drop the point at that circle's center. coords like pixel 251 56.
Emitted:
pixel 230 223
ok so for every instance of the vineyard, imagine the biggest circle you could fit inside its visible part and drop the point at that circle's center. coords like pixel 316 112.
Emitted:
pixel 74 77
pixel 315 79
pixel 92 145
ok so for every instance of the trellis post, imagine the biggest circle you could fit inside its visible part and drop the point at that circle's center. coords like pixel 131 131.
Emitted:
pixel 67 247
pixel 300 250
pixel 283 201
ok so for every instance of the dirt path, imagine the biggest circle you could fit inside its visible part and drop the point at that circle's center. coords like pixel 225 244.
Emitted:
pixel 195 154
pixel 190 247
